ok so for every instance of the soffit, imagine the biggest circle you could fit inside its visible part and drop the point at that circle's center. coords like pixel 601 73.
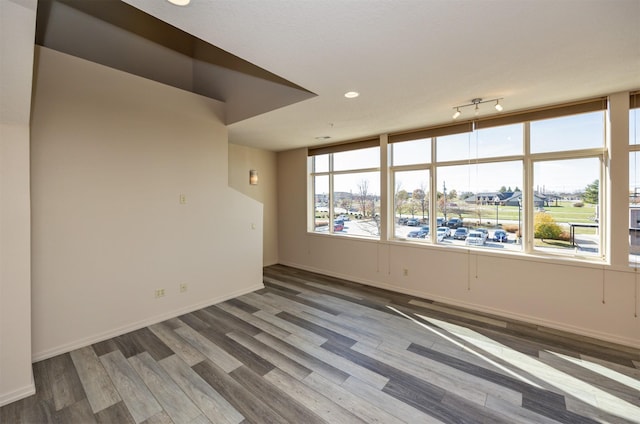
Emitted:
pixel 120 36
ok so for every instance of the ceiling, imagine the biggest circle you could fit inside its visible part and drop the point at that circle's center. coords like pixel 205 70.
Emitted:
pixel 411 61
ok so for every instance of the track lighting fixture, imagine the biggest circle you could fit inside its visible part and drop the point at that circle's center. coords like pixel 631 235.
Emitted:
pixel 477 102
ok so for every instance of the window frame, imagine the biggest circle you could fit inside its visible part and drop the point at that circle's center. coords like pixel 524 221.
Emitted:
pixel 331 173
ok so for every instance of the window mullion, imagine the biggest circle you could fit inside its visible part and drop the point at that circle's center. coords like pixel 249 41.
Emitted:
pixel 526 204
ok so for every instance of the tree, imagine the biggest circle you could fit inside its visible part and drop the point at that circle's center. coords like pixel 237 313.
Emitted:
pixel 421 199
pixel 401 199
pixel 363 192
pixel 412 205
pixel 545 227
pixel 592 192
pixel 478 212
pixel 503 189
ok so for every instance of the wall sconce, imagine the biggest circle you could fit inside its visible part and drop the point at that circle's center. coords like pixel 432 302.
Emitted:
pixel 253 177
pixel 477 102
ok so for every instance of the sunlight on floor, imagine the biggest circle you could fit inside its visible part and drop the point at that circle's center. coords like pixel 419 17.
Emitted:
pixel 602 370
pixel 562 382
pixel 462 346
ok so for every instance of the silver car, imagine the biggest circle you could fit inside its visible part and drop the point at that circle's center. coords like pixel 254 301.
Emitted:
pixel 475 238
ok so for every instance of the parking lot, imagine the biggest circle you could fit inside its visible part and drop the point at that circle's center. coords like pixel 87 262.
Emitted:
pixel 369 228
pixel 402 232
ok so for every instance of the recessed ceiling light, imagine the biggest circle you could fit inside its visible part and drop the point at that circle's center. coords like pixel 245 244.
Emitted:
pixel 351 94
pixel 179 2
pixel 323 138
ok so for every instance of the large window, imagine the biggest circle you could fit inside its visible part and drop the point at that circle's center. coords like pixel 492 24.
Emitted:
pixel 475 182
pixel 346 190
pixel 528 182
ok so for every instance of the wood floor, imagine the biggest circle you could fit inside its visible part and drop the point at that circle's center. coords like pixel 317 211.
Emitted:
pixel 315 349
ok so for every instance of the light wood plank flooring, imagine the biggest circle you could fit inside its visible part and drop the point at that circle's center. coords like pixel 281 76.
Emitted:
pixel 314 349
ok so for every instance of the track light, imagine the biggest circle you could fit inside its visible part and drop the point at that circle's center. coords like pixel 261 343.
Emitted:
pixel 477 102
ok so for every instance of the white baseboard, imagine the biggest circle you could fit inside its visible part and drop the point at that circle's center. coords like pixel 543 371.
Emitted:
pixel 15 395
pixel 606 337
pixel 77 344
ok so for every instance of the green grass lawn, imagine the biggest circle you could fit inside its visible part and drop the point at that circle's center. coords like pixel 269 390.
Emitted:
pixel 563 213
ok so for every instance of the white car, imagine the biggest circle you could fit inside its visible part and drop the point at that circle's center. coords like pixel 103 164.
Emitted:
pixel 484 232
pixel 475 238
pixel 443 232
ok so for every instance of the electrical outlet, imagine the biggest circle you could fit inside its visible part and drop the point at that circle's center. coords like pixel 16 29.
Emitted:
pixel 183 287
pixel 405 272
pixel 159 293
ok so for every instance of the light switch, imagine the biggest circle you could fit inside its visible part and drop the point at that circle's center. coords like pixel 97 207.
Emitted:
pixel 183 199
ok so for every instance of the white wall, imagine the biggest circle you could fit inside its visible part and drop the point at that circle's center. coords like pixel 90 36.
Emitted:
pixel 241 160
pixel 16 61
pixel 590 299
pixel 111 155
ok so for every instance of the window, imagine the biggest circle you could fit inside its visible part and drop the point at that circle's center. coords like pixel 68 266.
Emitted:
pixel 481 186
pixel 411 152
pixel 485 197
pixel 346 189
pixel 566 133
pixel 566 197
pixel 485 143
pixel 411 194
pixel 566 204
pixel 482 173
pixel 411 204
pixel 526 182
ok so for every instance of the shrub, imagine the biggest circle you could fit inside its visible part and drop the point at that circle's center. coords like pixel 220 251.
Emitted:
pixel 578 205
pixel 545 227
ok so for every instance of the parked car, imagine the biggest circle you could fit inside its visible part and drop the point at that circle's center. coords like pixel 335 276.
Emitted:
pixel 418 234
pixel 475 238
pixel 485 233
pixel 445 231
pixel 461 233
pixel 454 223
pixel 501 236
pixel 413 222
pixel 338 225
pixel 402 221
pixel 440 222
pixel 425 228
pixel 343 217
